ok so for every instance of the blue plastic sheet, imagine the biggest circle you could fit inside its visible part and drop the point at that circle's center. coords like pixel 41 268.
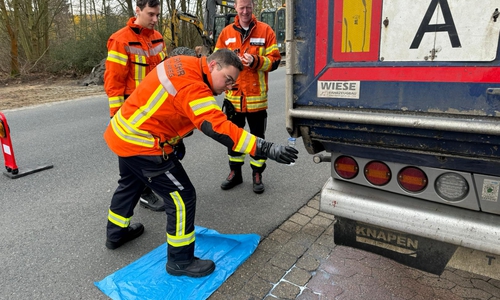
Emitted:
pixel 146 278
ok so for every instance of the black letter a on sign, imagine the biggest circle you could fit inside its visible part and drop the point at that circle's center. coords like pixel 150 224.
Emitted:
pixel 448 25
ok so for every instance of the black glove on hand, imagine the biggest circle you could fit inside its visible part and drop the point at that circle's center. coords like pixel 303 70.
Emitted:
pixel 279 153
pixel 228 109
pixel 180 150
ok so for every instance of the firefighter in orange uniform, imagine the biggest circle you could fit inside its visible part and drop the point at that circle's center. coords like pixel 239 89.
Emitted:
pixel 172 101
pixel 255 42
pixel 134 51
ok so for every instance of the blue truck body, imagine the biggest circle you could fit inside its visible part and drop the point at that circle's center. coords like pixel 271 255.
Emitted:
pixel 404 84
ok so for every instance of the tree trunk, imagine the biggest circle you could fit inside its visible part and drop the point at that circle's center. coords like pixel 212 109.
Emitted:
pixel 14 62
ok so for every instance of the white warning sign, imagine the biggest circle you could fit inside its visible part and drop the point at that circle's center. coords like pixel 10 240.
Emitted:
pixel 490 190
pixel 338 89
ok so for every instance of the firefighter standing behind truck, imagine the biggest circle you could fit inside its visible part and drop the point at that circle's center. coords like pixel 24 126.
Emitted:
pixel 133 52
pixel 172 101
pixel 255 43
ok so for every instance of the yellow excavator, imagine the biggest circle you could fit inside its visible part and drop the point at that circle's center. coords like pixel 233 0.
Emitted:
pixel 209 31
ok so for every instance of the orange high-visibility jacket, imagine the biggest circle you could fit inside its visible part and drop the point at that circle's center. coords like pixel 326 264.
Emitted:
pixel 250 91
pixel 133 52
pixel 172 101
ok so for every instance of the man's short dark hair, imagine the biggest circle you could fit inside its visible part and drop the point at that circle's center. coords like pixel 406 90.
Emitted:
pixel 151 3
pixel 226 57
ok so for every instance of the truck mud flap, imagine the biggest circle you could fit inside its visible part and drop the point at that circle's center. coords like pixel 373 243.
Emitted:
pixel 411 250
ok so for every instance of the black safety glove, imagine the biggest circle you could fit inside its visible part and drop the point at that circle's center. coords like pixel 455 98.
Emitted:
pixel 279 153
pixel 180 150
pixel 228 109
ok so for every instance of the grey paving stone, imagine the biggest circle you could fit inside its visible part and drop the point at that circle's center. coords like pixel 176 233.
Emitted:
pixel 314 203
pixel 283 260
pixel 308 211
pixel 308 294
pixel 486 286
pixel 271 246
pixel 321 221
pixel 308 263
pixel 290 226
pixel 303 239
pixel 300 219
pixel 318 250
pixel 259 256
pixel 294 249
pixel 436 282
pixel 471 293
pixel 217 295
pixel 285 290
pixel 326 240
pixel 257 287
pixel 280 236
pixel 328 216
pixel 232 285
pixel 459 280
pixel 313 230
pixel 271 273
pixel 298 276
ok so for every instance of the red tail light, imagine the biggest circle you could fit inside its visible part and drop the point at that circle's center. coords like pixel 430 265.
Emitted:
pixel 412 179
pixel 377 173
pixel 346 167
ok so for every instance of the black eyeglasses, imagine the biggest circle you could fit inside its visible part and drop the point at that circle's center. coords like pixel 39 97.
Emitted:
pixel 229 80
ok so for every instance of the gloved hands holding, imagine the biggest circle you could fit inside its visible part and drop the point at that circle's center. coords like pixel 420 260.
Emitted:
pixel 180 150
pixel 279 153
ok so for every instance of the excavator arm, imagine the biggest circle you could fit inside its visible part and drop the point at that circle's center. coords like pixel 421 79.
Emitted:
pixel 192 19
pixel 207 30
pixel 211 12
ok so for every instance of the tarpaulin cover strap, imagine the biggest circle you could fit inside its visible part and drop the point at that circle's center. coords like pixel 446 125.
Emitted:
pixel 146 278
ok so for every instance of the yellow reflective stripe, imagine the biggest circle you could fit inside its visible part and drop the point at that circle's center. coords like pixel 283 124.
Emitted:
pixel 203 105
pixel 140 59
pixel 118 220
pixel 273 47
pixel 240 158
pixel 179 241
pixel 145 112
pixel 252 106
pixel 180 213
pixel 233 99
pixel 257 162
pixel 266 65
pixel 117 57
pixel 129 133
pixel 116 101
pixel 245 143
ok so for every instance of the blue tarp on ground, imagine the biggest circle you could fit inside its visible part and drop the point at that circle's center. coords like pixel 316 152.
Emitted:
pixel 146 278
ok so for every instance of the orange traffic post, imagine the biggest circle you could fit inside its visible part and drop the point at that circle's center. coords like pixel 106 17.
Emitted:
pixel 12 171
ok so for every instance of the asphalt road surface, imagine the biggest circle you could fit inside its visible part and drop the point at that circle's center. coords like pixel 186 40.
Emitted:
pixel 52 223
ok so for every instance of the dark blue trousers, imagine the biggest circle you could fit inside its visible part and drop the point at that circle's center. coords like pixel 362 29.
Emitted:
pixel 169 180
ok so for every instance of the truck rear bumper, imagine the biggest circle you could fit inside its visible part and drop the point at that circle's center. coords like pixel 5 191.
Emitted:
pixel 460 227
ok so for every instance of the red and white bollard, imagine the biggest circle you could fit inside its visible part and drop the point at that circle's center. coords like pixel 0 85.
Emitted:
pixel 8 153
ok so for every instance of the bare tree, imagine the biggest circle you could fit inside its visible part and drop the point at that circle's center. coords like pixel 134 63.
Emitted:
pixel 12 32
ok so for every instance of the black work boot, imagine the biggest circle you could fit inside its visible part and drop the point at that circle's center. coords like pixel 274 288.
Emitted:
pixel 134 231
pixel 151 201
pixel 233 179
pixel 258 186
pixel 195 268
